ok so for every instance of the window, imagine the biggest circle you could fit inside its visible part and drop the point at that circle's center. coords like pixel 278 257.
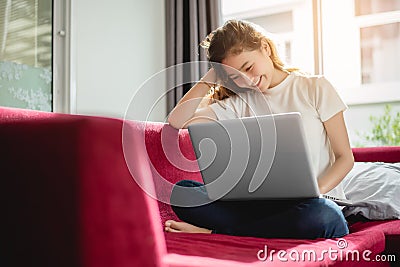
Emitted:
pixel 354 43
pixel 366 41
pixel 281 25
pixel 26 54
pixel 32 41
pixel 368 7
pixel 380 53
pixel 290 24
pixel 357 45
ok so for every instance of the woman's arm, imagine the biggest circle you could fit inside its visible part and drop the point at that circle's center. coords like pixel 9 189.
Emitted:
pixel 344 160
pixel 185 112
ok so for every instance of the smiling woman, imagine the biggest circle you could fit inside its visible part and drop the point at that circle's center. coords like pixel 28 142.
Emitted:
pixel 254 82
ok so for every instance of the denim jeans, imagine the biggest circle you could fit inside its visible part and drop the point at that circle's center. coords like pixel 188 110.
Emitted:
pixel 307 218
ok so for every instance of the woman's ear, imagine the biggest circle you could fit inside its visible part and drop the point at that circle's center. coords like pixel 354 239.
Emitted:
pixel 266 47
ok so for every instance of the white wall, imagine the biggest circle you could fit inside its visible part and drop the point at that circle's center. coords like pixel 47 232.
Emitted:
pixel 116 46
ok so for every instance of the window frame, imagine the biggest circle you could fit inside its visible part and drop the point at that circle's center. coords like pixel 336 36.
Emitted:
pixel 64 96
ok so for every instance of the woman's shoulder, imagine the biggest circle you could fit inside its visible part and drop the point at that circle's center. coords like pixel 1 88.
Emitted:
pixel 312 87
pixel 311 82
pixel 308 77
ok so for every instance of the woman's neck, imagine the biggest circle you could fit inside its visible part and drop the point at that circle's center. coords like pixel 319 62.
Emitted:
pixel 279 76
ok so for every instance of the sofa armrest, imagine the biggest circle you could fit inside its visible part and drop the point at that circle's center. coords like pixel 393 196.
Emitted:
pixel 388 154
pixel 69 198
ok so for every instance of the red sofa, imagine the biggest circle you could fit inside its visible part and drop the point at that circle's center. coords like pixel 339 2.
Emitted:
pixel 71 200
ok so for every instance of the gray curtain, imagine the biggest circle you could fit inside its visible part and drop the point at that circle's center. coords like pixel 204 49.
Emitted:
pixel 188 22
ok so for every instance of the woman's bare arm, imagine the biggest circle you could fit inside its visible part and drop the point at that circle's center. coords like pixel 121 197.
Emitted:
pixel 344 160
pixel 186 111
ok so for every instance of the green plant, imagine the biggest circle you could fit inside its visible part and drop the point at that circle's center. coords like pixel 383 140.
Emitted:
pixel 385 129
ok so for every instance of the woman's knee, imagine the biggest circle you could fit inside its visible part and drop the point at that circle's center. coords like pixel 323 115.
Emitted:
pixel 188 193
pixel 326 219
pixel 188 183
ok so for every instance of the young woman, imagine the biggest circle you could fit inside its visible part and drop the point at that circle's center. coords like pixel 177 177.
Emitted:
pixel 248 59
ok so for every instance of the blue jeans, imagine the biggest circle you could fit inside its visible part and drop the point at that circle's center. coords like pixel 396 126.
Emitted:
pixel 307 218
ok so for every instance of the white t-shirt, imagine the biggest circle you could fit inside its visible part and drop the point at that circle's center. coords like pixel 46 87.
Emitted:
pixel 313 96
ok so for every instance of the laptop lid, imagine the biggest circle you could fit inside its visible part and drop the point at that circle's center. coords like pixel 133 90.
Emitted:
pixel 263 157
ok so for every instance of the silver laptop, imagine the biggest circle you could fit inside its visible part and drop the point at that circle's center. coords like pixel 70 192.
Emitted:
pixel 262 157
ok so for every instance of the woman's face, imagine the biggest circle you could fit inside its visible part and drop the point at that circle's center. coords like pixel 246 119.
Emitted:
pixel 251 69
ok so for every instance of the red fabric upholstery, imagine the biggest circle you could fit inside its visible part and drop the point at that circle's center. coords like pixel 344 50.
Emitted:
pixel 71 200
pixel 373 154
pixel 391 229
pixel 172 158
pixel 221 247
pixel 243 250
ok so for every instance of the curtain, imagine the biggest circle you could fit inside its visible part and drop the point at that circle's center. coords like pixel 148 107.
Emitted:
pixel 188 22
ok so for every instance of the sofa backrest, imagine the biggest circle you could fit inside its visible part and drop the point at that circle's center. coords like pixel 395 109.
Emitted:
pixel 172 159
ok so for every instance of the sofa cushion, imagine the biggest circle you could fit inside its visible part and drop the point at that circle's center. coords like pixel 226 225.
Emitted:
pixel 374 188
pixel 391 229
pixel 249 251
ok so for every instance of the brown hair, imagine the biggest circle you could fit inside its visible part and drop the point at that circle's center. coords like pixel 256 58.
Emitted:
pixel 234 37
